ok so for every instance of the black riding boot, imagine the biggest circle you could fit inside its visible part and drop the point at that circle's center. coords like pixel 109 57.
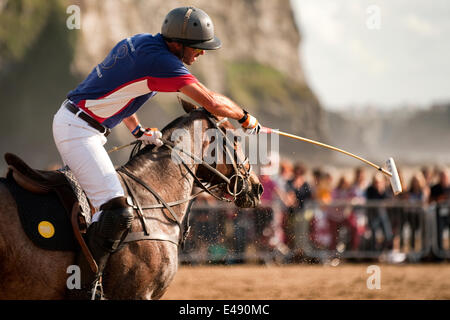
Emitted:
pixel 103 238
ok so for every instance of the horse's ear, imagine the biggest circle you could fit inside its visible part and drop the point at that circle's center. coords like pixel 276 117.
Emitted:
pixel 187 106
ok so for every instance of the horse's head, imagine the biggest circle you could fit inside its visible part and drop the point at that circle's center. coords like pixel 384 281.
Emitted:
pixel 224 163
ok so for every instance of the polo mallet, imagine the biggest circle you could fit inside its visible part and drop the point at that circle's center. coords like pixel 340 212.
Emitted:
pixel 392 172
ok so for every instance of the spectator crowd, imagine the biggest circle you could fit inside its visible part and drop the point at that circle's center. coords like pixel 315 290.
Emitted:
pixel 336 224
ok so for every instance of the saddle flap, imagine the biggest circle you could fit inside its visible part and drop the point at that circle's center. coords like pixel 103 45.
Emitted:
pixel 43 217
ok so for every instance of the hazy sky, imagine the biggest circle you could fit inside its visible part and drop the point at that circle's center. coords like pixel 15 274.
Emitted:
pixel 383 53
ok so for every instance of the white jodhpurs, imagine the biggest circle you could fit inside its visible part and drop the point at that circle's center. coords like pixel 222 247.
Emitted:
pixel 81 148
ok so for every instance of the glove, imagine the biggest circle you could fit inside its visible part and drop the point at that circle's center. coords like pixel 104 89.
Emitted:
pixel 249 123
pixel 149 136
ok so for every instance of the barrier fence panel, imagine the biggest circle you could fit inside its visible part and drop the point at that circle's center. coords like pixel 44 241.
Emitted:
pixel 390 231
pixel 440 224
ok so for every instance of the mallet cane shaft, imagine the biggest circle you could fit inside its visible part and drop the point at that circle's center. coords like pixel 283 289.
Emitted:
pixel 269 130
pixel 395 180
pixel 121 147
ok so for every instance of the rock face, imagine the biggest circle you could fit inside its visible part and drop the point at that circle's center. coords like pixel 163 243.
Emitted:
pixel 258 66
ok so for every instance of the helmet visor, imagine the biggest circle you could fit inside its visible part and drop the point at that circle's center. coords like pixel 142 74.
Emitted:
pixel 211 44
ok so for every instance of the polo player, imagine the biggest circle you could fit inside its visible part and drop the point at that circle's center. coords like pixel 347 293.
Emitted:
pixel 135 70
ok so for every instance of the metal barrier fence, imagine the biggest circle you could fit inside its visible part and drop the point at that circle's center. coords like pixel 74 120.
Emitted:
pixel 440 225
pixel 393 231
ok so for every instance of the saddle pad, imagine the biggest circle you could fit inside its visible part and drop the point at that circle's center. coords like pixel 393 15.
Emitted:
pixel 43 218
pixel 85 209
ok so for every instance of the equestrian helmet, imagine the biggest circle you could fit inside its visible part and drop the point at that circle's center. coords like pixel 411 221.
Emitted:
pixel 191 27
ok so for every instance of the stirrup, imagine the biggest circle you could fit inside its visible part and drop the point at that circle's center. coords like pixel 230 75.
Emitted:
pixel 97 290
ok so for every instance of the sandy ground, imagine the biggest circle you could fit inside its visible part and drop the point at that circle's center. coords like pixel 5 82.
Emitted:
pixel 293 282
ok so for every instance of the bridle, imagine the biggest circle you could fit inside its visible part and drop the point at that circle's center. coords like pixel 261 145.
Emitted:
pixel 235 185
pixel 240 172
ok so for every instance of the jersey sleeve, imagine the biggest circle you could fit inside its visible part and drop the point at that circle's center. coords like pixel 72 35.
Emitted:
pixel 168 74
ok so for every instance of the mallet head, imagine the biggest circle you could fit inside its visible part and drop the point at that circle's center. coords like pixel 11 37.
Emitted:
pixel 395 179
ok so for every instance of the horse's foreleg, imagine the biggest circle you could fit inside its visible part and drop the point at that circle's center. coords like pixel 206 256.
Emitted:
pixel 141 271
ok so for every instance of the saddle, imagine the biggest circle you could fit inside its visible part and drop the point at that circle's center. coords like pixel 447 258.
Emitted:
pixel 39 181
pixel 47 182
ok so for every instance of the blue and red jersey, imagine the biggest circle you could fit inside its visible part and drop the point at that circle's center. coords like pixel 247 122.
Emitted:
pixel 133 72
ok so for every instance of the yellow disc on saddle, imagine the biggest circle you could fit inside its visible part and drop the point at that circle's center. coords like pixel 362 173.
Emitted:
pixel 46 229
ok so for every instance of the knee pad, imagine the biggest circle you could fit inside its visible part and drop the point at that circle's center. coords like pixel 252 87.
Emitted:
pixel 115 222
pixel 116 218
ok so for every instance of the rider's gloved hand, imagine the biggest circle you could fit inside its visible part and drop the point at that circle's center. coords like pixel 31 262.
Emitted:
pixel 148 135
pixel 249 123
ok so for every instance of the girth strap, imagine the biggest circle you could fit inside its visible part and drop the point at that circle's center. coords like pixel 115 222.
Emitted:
pixel 159 236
